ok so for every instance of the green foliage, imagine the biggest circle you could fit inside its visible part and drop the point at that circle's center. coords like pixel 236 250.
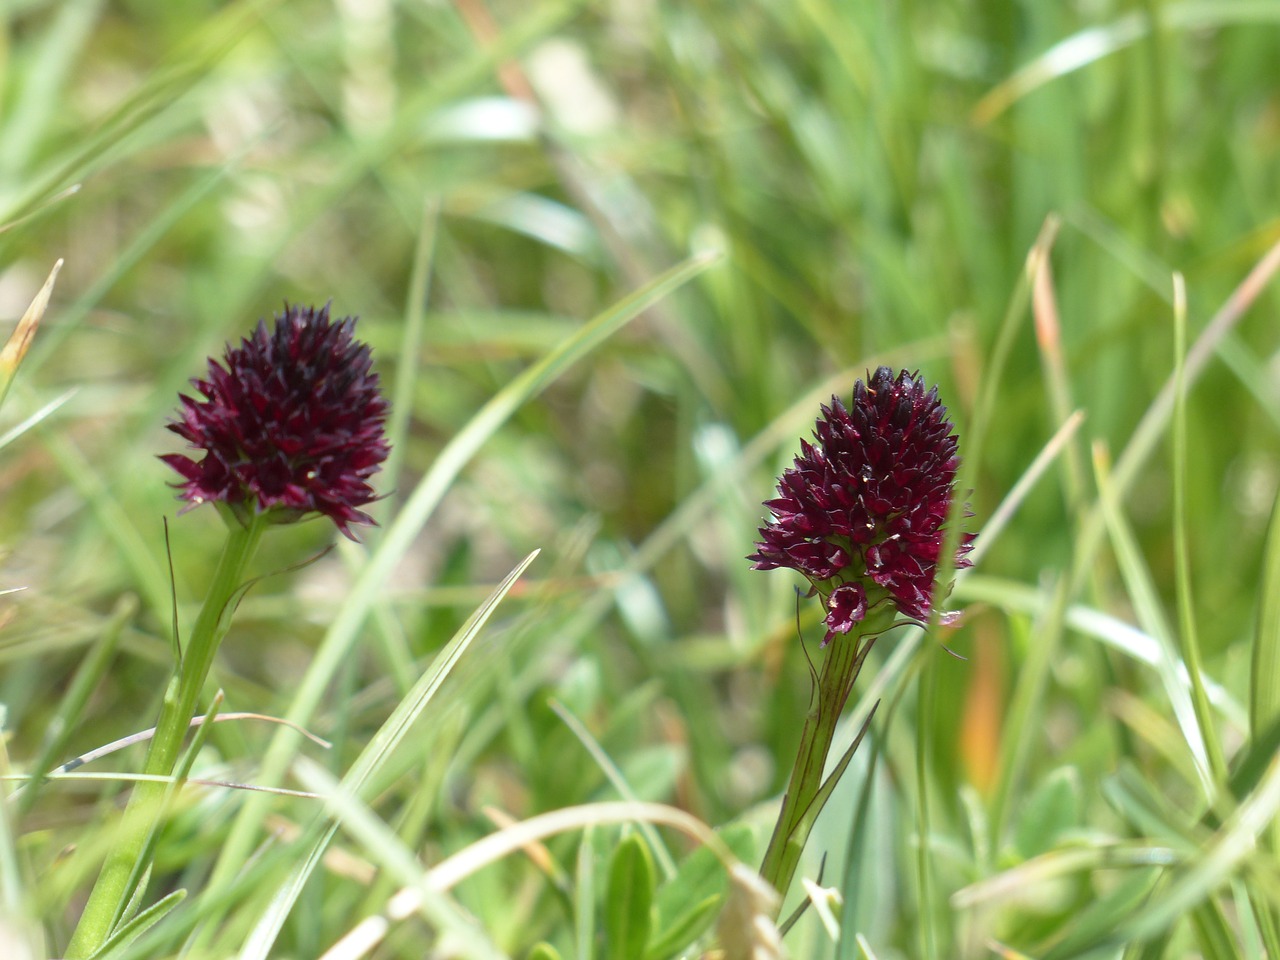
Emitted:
pixel 688 902
pixel 628 904
pixel 1051 811
pixel 1264 677
pixel 516 199
pixel 543 951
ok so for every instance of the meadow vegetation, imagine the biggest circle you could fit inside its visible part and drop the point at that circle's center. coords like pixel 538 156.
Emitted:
pixel 610 259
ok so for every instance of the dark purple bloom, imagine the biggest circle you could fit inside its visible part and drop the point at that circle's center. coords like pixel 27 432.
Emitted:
pixel 291 423
pixel 862 512
pixel 846 606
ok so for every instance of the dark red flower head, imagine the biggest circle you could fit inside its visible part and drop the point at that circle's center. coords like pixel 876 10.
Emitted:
pixel 862 513
pixel 292 423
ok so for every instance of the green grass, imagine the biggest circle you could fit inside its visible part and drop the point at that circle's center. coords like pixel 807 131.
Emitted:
pixel 603 335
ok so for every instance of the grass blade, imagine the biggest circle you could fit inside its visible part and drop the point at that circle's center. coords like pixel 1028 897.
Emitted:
pixel 374 755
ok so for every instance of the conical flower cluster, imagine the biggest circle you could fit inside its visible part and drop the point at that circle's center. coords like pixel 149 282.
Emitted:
pixel 862 512
pixel 291 423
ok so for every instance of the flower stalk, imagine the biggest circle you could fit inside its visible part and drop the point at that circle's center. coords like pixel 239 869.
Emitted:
pixel 805 796
pixel 291 425
pixel 861 515
pixel 125 864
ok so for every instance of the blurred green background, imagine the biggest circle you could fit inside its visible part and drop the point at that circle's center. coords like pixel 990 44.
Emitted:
pixel 875 176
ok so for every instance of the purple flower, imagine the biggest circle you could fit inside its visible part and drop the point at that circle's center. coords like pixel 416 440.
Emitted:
pixel 862 512
pixel 846 606
pixel 291 423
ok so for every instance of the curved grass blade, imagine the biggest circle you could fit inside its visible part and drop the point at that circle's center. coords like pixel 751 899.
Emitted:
pixel 454 869
pixel 1091 45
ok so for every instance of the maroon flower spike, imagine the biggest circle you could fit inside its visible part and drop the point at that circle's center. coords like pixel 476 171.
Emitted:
pixel 862 513
pixel 291 423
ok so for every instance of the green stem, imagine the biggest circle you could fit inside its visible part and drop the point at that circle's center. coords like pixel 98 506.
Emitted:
pixel 840 670
pixel 112 892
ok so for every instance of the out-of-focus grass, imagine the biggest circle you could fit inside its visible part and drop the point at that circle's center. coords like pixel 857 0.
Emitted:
pixel 477 182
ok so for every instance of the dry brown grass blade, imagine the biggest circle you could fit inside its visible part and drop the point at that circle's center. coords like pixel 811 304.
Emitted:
pixel 20 340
